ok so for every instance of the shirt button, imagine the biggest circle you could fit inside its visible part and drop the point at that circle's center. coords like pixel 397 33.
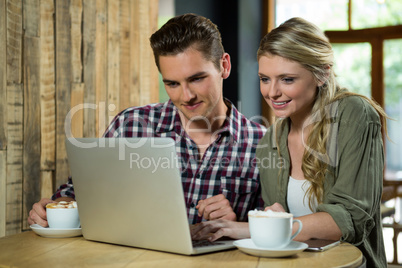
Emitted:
pixel 192 205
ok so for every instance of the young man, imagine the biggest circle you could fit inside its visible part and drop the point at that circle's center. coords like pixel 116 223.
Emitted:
pixel 214 142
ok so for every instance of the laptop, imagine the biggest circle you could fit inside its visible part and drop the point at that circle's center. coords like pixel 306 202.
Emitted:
pixel 129 192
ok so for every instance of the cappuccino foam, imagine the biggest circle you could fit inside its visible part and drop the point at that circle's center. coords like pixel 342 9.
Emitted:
pixel 62 204
pixel 269 213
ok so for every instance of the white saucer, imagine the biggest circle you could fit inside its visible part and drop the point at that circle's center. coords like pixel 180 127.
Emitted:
pixel 248 246
pixel 55 233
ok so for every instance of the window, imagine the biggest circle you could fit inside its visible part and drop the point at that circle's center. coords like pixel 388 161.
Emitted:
pixel 376 13
pixel 393 104
pixel 353 66
pixel 316 11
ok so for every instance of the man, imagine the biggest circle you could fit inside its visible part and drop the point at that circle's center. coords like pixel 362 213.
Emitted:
pixel 214 142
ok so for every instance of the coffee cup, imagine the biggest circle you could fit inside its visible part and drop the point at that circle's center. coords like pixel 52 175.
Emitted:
pixel 270 229
pixel 63 215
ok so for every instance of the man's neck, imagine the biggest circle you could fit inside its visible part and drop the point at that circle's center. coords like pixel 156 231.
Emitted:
pixel 204 131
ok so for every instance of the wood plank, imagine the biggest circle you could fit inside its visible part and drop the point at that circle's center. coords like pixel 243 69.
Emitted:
pixel 101 121
pixel 14 41
pixel 135 54
pixel 15 130
pixel 148 22
pixel 153 27
pixel 113 52
pixel 14 117
pixel 77 112
pixel 76 40
pixel 47 86
pixel 3 193
pixel 124 55
pixel 3 78
pixel 63 85
pixel 89 29
pixel 31 15
pixel 144 70
pixel 46 184
pixel 32 138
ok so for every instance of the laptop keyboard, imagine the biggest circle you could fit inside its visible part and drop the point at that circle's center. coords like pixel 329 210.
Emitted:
pixel 205 243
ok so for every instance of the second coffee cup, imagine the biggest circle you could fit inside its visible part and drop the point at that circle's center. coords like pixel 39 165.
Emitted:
pixel 273 230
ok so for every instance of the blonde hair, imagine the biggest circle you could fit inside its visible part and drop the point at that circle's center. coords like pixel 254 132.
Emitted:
pixel 301 41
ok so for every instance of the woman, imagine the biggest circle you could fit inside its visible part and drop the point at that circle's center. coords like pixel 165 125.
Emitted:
pixel 326 143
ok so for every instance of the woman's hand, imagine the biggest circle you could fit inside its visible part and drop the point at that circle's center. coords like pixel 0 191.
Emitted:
pixel 215 229
pixel 275 207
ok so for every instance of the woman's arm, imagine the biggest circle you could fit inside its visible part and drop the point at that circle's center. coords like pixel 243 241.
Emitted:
pixel 318 225
pixel 215 229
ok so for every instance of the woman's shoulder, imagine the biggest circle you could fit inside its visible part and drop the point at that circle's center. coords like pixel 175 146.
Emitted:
pixel 356 109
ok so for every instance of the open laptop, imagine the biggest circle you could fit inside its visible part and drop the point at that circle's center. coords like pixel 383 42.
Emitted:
pixel 129 192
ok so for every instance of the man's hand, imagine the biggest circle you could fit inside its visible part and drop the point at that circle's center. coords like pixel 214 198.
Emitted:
pixel 38 212
pixel 37 215
pixel 216 207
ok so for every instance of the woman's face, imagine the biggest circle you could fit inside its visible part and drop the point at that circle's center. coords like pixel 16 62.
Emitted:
pixel 287 87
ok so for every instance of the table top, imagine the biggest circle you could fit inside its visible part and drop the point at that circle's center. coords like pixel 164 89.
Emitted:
pixel 30 250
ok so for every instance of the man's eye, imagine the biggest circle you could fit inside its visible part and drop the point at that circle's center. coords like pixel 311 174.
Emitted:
pixel 171 84
pixel 197 79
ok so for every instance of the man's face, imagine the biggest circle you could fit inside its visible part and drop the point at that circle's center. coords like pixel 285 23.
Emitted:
pixel 194 84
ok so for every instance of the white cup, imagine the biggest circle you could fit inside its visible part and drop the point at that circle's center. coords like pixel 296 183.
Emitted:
pixel 62 217
pixel 273 230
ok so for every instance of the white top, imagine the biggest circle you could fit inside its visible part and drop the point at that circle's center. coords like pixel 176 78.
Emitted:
pixel 298 202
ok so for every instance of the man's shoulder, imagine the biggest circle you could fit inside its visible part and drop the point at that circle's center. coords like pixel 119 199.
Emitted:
pixel 252 125
pixel 248 127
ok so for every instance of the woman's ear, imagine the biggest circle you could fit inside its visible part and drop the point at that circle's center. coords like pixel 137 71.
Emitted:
pixel 327 70
pixel 226 65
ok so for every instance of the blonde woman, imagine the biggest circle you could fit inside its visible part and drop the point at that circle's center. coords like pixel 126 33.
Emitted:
pixel 326 143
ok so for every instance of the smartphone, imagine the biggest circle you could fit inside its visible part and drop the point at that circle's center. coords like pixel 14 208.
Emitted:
pixel 321 244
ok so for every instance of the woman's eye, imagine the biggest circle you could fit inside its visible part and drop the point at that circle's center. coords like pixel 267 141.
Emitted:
pixel 264 79
pixel 288 80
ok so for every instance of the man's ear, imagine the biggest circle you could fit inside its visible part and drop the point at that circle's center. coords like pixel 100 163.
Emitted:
pixel 226 65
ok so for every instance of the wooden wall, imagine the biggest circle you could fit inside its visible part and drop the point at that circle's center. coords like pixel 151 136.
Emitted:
pixel 87 59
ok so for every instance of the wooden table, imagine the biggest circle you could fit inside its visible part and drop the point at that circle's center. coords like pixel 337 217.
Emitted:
pixel 30 250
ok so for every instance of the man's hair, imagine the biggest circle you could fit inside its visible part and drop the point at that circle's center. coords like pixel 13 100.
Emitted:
pixel 188 31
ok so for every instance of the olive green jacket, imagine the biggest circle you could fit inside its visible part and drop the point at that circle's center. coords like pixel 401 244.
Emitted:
pixel 353 185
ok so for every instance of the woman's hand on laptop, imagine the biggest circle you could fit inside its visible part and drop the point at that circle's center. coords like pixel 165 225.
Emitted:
pixel 213 230
pixel 37 215
pixel 216 207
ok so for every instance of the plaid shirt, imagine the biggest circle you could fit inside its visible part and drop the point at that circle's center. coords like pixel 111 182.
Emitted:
pixel 227 167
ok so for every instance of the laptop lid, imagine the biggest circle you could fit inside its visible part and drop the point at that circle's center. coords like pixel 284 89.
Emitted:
pixel 129 192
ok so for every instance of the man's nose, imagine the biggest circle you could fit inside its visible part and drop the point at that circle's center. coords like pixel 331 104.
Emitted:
pixel 188 94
